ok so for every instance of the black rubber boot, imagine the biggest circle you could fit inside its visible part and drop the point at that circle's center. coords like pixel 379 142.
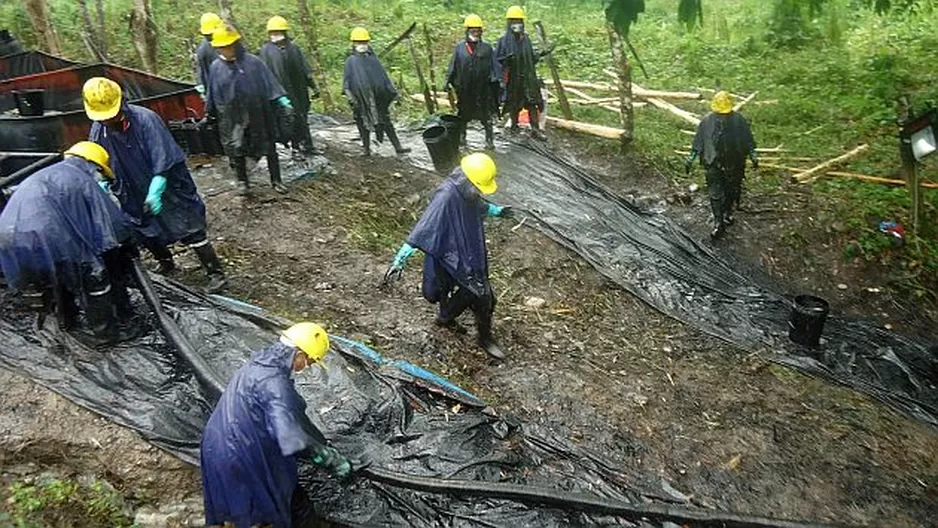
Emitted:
pixel 452 325
pixel 366 141
pixel 489 135
pixel 240 167
pixel 101 316
pixel 164 259
pixel 486 340
pixel 212 266
pixel 273 167
pixel 392 135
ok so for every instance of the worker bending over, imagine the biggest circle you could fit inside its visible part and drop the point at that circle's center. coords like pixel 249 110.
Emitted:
pixel 452 237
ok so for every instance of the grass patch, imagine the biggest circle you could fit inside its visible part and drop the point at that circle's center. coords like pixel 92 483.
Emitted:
pixel 64 502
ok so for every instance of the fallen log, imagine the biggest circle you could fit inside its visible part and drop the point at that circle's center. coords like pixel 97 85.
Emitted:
pixel 440 102
pixel 744 101
pixel 815 172
pixel 604 87
pixel 683 114
pixel 637 90
pixel 587 128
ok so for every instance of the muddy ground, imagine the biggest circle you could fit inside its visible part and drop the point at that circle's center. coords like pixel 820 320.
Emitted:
pixel 721 425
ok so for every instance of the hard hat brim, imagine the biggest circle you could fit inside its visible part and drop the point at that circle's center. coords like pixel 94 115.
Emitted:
pixel 487 188
pixel 104 115
pixel 227 41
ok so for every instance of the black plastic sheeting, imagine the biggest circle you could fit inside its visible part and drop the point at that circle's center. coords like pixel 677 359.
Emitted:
pixel 653 258
pixel 376 413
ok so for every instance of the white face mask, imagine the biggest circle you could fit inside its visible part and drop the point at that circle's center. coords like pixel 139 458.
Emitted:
pixel 517 28
pixel 361 48
pixel 473 38
pixel 278 37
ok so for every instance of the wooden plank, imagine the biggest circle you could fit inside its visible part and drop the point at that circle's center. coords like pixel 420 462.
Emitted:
pixel 587 128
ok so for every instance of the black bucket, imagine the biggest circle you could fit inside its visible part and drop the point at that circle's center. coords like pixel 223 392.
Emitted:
pixel 808 314
pixel 441 147
pixel 30 103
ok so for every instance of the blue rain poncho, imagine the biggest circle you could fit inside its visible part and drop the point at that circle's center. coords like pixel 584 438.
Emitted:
pixel 451 235
pixel 250 444
pixel 288 64
pixel 58 221
pixel 724 140
pixel 241 93
pixel 369 89
pixel 518 61
pixel 473 72
pixel 205 55
pixel 144 149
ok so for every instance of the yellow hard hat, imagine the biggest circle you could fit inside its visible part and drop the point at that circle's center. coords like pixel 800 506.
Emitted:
pixel 480 169
pixel 224 35
pixel 360 34
pixel 311 338
pixel 208 23
pixel 473 21
pixel 277 23
pixel 102 98
pixel 94 153
pixel 515 12
pixel 722 103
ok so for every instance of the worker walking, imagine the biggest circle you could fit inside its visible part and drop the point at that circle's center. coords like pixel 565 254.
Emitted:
pixel 723 140
pixel 257 434
pixel 473 74
pixel 370 92
pixel 245 95
pixel 518 61
pixel 205 54
pixel 61 241
pixel 289 66
pixel 152 181
pixel 452 237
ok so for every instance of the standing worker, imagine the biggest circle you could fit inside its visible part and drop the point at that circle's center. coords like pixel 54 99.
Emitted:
pixel 205 54
pixel 60 241
pixel 244 95
pixel 452 237
pixel 473 74
pixel 369 92
pixel 259 431
pixel 289 65
pixel 518 61
pixel 152 181
pixel 723 140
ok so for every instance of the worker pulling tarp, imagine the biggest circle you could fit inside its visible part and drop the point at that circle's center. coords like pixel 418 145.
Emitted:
pixel 404 436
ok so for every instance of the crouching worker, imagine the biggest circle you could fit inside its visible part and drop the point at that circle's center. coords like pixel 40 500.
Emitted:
pixel 63 240
pixel 151 179
pixel 452 237
pixel 257 434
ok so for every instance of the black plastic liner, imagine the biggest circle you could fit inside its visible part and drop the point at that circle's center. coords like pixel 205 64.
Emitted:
pixel 653 258
pixel 427 456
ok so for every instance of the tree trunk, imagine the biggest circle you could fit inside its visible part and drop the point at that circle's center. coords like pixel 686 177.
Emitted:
pixel 143 32
pixel 102 31
pixel 624 71
pixel 315 62
pixel 226 12
pixel 94 39
pixel 558 86
pixel 38 12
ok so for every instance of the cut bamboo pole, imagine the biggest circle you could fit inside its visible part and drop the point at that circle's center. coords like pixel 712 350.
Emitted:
pixel 603 87
pixel 587 128
pixel 815 172
pixel 636 89
pixel 744 101
pixel 683 114
pixel 660 94
pixel 853 175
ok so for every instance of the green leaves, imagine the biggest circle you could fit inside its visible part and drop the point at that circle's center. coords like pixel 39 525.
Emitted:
pixel 690 13
pixel 622 14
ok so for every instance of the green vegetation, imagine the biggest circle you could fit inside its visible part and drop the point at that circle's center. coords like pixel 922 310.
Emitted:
pixel 63 502
pixel 835 68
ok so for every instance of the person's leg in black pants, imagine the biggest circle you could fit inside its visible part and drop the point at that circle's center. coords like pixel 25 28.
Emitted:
pixel 273 166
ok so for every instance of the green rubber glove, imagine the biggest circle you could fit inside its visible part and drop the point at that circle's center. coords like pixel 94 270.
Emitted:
pixel 333 462
pixel 284 101
pixel 154 200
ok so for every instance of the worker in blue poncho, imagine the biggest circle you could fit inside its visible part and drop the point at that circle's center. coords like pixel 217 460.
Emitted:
pixel 452 237
pixel 518 63
pixel 151 179
pixel 205 54
pixel 370 93
pixel 248 101
pixel 257 434
pixel 63 240
pixel 473 72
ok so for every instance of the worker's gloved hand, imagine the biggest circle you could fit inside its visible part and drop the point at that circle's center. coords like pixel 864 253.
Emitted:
pixel 755 162
pixel 448 86
pixel 549 50
pixel 396 269
pixel 333 462
pixel 200 88
pixel 284 101
pixel 688 165
pixel 105 185
pixel 495 210
pixel 154 200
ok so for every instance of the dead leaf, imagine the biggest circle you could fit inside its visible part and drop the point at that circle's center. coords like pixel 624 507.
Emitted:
pixel 734 463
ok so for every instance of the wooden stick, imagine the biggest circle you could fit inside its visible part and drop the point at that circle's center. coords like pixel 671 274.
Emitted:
pixel 604 87
pixel 587 128
pixel 683 114
pixel 815 172
pixel 636 89
pixel 744 101
pixel 440 102
pixel 426 36
pixel 582 95
pixel 554 73
pixel 424 87
pixel 853 175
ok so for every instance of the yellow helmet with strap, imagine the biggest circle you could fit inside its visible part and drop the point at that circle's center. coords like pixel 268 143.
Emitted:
pixel 277 23
pixel 311 338
pixel 208 23
pixel 473 21
pixel 515 12
pixel 481 170
pixel 102 98
pixel 360 34
pixel 91 151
